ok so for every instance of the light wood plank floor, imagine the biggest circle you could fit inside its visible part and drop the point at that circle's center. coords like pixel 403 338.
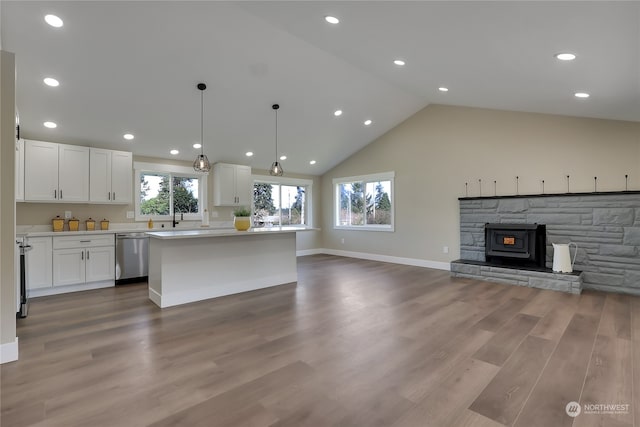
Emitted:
pixel 354 343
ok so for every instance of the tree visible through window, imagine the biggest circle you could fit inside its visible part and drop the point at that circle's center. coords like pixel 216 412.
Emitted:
pixel 158 190
pixel 279 204
pixel 364 202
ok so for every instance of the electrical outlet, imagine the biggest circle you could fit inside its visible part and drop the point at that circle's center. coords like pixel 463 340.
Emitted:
pixel 214 214
pixel 342 240
pixel 445 249
pixel 130 215
pixel 67 214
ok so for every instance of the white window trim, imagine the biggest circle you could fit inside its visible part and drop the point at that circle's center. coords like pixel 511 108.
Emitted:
pixel 183 171
pixel 383 176
pixel 267 179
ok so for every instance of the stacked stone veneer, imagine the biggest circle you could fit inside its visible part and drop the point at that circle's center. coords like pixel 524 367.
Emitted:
pixel 606 228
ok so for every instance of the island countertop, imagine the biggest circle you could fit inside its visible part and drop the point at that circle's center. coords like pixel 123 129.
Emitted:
pixel 193 234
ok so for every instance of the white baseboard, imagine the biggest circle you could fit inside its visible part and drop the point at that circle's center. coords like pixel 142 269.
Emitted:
pixel 305 252
pixel 9 352
pixel 438 265
pixel 55 290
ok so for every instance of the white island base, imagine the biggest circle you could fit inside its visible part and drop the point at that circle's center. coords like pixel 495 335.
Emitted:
pixel 188 266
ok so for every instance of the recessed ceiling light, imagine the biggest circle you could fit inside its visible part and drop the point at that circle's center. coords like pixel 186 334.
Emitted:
pixel 197 145
pixel 249 153
pixel 331 19
pixel 312 162
pixel 443 89
pixel 337 113
pixel 367 122
pixel 174 152
pixel 565 56
pixel 399 62
pixel 50 81
pixel 581 95
pixel 128 136
pixel 283 157
pixel 54 21
pixel 50 125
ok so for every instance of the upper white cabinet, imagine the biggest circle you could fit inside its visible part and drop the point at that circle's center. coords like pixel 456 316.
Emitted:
pixel 111 176
pixel 231 185
pixel 55 172
pixel 73 173
pixel 20 170
pixel 70 173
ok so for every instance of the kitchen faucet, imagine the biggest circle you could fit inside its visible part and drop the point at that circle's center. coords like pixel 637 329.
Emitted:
pixel 174 218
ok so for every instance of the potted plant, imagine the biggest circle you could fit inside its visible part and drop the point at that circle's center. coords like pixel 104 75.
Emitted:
pixel 242 218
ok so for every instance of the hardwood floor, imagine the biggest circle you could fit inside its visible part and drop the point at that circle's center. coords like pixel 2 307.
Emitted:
pixel 354 343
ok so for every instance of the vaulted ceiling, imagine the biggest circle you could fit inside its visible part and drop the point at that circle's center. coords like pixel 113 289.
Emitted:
pixel 132 67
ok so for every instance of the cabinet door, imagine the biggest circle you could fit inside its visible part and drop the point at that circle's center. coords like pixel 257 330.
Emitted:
pixel 224 184
pixel 121 177
pixel 68 267
pixel 39 262
pixel 100 264
pixel 99 175
pixel 73 174
pixel 243 186
pixel 20 170
pixel 40 170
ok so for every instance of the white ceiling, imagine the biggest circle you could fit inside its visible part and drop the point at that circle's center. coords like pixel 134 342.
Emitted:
pixel 133 67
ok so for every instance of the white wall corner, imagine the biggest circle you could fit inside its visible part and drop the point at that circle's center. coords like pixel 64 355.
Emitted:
pixel 438 265
pixel 9 352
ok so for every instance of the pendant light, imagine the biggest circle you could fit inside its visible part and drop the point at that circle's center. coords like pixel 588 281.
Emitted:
pixel 276 168
pixel 201 163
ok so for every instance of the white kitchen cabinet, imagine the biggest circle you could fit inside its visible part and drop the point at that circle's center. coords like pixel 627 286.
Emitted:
pixel 111 176
pixel 83 259
pixel 56 172
pixel 39 259
pixel 231 185
pixel 20 170
pixel 73 173
pixel 100 264
pixel 40 171
pixel 68 267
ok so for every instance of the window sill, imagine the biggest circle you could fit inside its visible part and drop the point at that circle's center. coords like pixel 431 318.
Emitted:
pixel 364 228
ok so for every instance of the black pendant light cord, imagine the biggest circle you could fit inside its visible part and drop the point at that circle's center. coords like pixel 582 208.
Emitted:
pixel 202 121
pixel 275 107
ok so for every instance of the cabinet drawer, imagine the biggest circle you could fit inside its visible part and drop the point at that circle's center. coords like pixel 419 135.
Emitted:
pixel 86 241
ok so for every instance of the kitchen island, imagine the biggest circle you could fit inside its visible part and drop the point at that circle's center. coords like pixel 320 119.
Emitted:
pixel 188 266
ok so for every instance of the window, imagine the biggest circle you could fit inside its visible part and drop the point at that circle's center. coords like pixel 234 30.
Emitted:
pixel 285 202
pixel 165 189
pixel 364 202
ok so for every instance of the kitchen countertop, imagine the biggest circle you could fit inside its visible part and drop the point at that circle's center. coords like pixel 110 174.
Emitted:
pixel 35 232
pixel 194 234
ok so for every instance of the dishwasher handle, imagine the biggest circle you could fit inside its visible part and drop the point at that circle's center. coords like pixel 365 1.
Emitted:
pixel 128 236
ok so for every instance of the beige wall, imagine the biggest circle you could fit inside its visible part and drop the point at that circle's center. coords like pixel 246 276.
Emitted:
pixel 42 213
pixel 440 148
pixel 7 197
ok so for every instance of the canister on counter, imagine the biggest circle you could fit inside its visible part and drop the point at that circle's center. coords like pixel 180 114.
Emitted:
pixel 91 224
pixel 104 224
pixel 58 223
pixel 74 224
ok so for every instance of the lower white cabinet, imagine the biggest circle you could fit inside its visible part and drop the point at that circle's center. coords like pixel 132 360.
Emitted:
pixel 86 259
pixel 61 264
pixel 39 263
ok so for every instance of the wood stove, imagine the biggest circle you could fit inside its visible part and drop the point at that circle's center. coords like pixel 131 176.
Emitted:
pixel 518 245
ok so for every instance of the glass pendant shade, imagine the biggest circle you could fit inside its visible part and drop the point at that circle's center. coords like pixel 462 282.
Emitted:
pixel 202 164
pixel 276 169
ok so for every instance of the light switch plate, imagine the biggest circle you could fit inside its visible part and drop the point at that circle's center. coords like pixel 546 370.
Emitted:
pixel 67 214
pixel 130 215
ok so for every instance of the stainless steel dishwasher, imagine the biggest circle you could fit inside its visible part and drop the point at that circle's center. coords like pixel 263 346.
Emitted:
pixel 132 257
